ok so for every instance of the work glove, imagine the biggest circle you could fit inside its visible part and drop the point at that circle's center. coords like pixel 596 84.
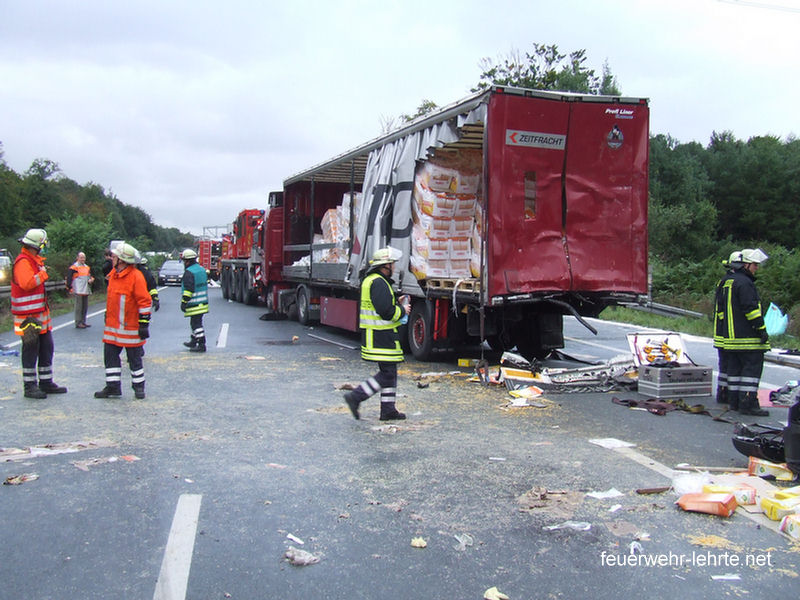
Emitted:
pixel 183 305
pixel 144 331
pixel 764 336
pixel 156 303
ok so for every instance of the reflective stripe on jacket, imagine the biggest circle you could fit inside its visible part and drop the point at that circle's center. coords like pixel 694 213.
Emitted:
pixel 28 297
pixel 379 318
pixel 127 305
pixel 194 286
pixel 738 320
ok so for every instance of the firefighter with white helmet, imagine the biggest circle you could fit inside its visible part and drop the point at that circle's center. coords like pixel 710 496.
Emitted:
pixel 380 316
pixel 152 287
pixel 740 331
pixel 194 299
pixel 127 325
pixel 32 316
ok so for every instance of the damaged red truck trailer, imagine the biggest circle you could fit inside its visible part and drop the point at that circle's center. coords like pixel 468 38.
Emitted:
pixel 512 208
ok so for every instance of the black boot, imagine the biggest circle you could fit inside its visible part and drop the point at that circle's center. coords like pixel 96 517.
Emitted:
pixel 352 403
pixel 48 387
pixel 200 347
pixel 191 343
pixel 112 390
pixel 749 406
pixel 138 391
pixel 32 391
pixel 722 395
pixel 390 413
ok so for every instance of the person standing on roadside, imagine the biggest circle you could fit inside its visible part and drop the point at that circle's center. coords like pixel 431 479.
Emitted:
pixel 740 331
pixel 79 284
pixel 194 299
pixel 722 354
pixel 379 317
pixel 32 316
pixel 151 282
pixel 127 323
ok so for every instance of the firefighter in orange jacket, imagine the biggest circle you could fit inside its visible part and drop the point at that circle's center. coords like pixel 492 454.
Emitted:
pixel 32 316
pixel 127 323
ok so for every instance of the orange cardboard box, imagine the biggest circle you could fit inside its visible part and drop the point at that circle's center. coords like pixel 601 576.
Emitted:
pixel 723 505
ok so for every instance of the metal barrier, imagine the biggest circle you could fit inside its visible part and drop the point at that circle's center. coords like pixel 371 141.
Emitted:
pixel 5 290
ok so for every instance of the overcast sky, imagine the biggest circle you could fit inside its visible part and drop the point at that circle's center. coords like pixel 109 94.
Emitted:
pixel 193 109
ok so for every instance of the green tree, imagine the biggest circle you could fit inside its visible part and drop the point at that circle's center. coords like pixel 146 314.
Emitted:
pixel 545 68
pixel 41 200
pixel 71 235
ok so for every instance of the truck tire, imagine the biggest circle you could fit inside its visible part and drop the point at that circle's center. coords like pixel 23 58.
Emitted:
pixel 243 286
pixel 223 280
pixel 236 286
pixel 303 305
pixel 249 295
pixel 269 298
pixel 420 330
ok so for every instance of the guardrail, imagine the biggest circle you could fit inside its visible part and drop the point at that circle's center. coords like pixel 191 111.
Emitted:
pixel 664 310
pixel 5 290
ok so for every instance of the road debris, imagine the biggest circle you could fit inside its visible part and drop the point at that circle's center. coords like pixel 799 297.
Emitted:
pixel 611 493
pixel 295 539
pixel 84 465
pixel 722 505
pixel 418 542
pixel 574 525
pixel 20 479
pixel 464 540
pixel 300 558
pixel 14 454
pixel 494 594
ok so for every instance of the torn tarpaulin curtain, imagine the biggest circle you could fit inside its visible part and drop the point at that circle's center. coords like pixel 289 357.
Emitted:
pixel 384 217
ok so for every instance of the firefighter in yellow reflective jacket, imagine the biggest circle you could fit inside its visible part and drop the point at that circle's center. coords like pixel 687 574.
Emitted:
pixel 380 316
pixel 740 332
pixel 194 299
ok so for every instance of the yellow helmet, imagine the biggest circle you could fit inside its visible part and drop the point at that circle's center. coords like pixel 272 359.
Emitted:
pixel 756 256
pixel 36 238
pixel 385 256
pixel 126 253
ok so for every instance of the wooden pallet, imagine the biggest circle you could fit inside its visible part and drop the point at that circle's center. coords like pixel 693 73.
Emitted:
pixel 464 285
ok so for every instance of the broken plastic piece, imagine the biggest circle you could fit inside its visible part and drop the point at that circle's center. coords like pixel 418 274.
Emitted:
pixel 575 525
pixel 418 542
pixel 300 558
pixel 494 594
pixel 20 479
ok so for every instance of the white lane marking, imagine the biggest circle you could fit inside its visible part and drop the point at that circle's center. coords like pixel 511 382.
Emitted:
pixel 174 576
pixel 222 340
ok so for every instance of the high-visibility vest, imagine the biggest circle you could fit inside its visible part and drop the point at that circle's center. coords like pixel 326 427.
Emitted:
pixel 127 306
pixel 80 279
pixel 197 300
pixel 738 320
pixel 379 341
pixel 28 301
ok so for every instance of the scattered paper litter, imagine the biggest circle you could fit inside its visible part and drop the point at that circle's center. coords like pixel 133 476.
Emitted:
pixel 576 525
pixel 295 539
pixel 727 577
pixel 610 443
pixel 612 493
pixel 464 540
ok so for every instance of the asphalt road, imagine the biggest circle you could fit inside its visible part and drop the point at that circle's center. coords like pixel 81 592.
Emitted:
pixel 243 452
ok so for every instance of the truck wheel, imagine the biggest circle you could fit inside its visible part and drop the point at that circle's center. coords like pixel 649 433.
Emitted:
pixel 223 280
pixel 248 293
pixel 420 331
pixel 303 305
pixel 500 342
pixel 270 299
pixel 236 286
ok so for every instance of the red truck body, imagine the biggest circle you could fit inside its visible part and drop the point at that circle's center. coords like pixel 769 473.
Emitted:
pixel 557 188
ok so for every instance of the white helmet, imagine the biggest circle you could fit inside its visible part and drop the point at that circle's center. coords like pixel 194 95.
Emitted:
pixel 756 256
pixel 36 238
pixel 126 253
pixel 735 257
pixel 385 256
pixel 188 254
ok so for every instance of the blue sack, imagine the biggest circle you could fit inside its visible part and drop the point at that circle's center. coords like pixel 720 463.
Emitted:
pixel 775 321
